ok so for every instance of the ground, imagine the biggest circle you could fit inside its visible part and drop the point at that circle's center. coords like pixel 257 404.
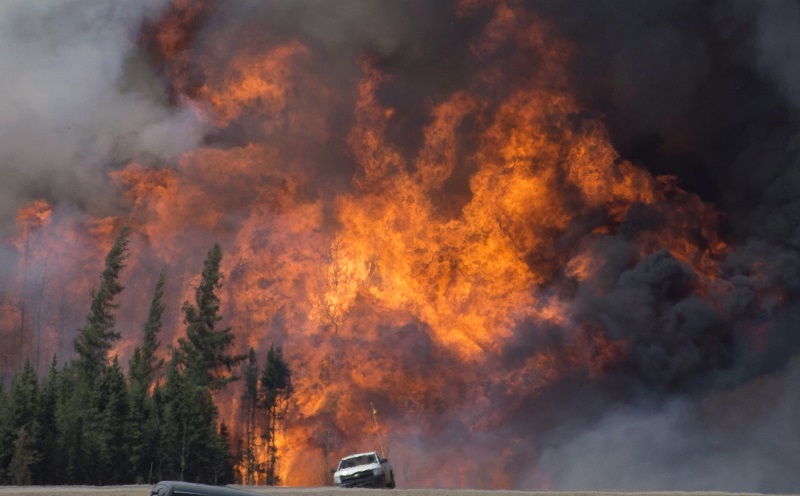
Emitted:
pixel 319 491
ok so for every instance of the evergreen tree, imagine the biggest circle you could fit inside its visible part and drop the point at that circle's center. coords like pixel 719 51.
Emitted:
pixel 249 409
pixel 144 369
pixel 172 462
pixel 7 437
pixel 204 351
pixel 71 415
pixel 91 420
pixel 24 404
pixel 157 426
pixel 200 366
pixel 49 469
pixel 24 398
pixel 223 469
pixel 276 389
pixel 189 430
pixel 87 424
pixel 112 453
pixel 92 386
pixel 94 340
pixel 25 456
pixel 145 366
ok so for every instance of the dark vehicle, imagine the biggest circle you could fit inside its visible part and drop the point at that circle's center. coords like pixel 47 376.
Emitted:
pixel 179 488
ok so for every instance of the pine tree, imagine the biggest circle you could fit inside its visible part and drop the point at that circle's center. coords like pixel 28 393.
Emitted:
pixel 249 409
pixel 200 366
pixel 24 402
pixel 25 456
pixel 83 421
pixel 223 468
pixel 145 366
pixel 7 437
pixel 205 348
pixel 49 470
pixel 144 369
pixel 200 443
pixel 276 389
pixel 102 458
pixel 72 410
pixel 95 340
pixel 19 425
pixel 112 453
pixel 175 395
pixel 24 399
pixel 157 426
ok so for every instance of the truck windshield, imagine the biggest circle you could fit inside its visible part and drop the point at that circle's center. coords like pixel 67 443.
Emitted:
pixel 357 460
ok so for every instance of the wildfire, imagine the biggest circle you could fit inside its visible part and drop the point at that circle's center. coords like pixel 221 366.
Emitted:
pixel 393 287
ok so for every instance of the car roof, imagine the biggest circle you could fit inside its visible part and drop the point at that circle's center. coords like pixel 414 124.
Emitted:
pixel 178 488
pixel 360 454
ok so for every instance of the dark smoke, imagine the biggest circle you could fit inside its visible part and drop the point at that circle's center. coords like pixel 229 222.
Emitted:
pixel 705 91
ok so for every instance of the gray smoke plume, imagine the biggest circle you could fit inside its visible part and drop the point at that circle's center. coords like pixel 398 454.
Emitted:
pixel 78 100
pixel 706 91
pixel 730 441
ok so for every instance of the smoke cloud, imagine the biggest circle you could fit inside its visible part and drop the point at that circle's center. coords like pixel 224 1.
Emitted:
pixel 721 442
pixel 79 100
pixel 705 92
pixel 701 395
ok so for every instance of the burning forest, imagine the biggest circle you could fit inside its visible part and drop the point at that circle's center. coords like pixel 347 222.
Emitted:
pixel 530 244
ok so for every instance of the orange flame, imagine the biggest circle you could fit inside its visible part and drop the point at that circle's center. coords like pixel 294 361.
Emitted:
pixel 393 290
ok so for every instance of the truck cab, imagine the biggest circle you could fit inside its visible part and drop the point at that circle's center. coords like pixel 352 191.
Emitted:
pixel 364 470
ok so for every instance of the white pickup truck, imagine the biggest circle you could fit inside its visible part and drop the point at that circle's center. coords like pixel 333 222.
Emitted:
pixel 364 470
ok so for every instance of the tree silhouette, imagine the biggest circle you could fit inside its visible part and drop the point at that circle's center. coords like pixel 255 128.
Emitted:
pixel 94 340
pixel 276 389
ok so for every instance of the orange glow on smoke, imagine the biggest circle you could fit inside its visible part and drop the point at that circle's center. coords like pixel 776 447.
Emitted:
pixel 387 291
pixel 34 215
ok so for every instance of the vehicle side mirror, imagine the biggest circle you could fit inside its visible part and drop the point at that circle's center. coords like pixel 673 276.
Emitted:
pixel 384 460
pixel 333 470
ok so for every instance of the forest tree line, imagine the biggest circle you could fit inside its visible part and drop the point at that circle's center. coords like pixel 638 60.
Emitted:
pixel 89 422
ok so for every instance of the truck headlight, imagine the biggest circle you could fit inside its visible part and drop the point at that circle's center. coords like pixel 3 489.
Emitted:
pixel 337 479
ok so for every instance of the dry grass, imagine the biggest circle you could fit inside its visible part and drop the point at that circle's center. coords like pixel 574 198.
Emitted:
pixel 326 491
